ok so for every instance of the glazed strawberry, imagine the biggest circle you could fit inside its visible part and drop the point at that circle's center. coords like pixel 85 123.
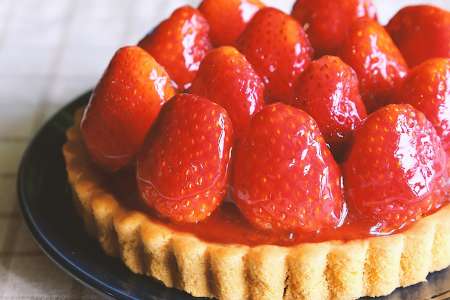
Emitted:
pixel 179 44
pixel 227 78
pixel 427 88
pixel 279 50
pixel 395 167
pixel 123 107
pixel 328 91
pixel 421 32
pixel 327 22
pixel 380 67
pixel 228 18
pixel 182 170
pixel 284 176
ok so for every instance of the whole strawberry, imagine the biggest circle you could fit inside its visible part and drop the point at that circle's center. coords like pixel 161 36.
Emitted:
pixel 427 88
pixel 380 67
pixel 123 107
pixel 284 176
pixel 421 32
pixel 227 78
pixel 182 170
pixel 328 91
pixel 179 44
pixel 327 22
pixel 396 168
pixel 279 50
pixel 228 18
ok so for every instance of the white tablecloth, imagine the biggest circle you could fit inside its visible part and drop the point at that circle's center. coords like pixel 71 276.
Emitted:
pixel 50 52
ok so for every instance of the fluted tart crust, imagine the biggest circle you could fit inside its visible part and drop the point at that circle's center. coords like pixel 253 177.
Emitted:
pixel 373 266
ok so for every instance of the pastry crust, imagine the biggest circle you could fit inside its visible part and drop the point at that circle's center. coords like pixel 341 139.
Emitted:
pixel 328 270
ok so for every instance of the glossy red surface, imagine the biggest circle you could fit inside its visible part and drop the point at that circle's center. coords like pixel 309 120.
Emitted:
pixel 228 18
pixel 328 91
pixel 123 107
pixel 380 67
pixel 279 50
pixel 284 176
pixel 227 78
pixel 183 168
pixel 396 168
pixel 179 44
pixel 421 32
pixel 427 88
pixel 328 22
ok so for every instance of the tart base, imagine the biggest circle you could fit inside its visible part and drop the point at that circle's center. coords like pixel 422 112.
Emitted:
pixel 329 270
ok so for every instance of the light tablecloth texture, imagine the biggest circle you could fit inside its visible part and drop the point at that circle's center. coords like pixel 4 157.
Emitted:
pixel 50 52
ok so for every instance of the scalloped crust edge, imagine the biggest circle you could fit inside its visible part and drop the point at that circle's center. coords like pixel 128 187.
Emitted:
pixel 329 270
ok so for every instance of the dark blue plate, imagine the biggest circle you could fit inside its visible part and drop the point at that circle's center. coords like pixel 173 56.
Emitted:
pixel 46 204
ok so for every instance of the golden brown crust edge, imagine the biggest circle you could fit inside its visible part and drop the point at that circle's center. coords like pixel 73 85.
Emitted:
pixel 328 270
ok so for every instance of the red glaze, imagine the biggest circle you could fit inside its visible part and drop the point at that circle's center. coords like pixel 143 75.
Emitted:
pixel 395 167
pixel 380 67
pixel 284 176
pixel 227 78
pixel 123 107
pixel 279 50
pixel 328 91
pixel 421 32
pixel 179 44
pixel 227 225
pixel 427 88
pixel 228 18
pixel 328 22
pixel 182 170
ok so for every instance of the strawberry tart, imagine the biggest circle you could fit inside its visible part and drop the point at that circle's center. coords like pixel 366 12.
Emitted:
pixel 238 152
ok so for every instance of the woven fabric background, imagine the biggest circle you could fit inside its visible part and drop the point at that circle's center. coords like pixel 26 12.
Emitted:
pixel 50 52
